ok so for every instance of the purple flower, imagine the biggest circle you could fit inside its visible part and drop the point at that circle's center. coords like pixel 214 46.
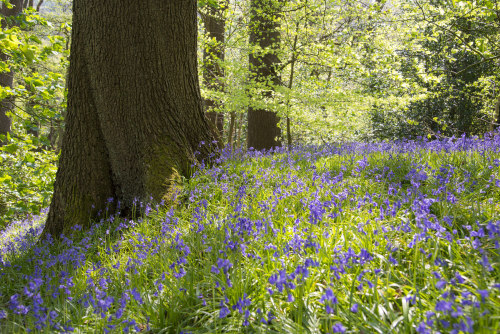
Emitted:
pixel 484 294
pixel 354 308
pixel 136 295
pixel 329 297
pixel 247 315
pixel 422 329
pixel 393 260
pixel 270 317
pixel 224 311
pixel 441 284
pixel 459 278
pixel 338 328
pixel 242 303
pixel 485 262
pixel 443 306
pixel 224 264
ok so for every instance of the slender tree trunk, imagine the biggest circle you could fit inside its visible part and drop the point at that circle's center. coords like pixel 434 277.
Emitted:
pixel 263 129
pixel 6 105
pixel 290 85
pixel 497 114
pixel 213 55
pixel 135 115
pixel 7 78
pixel 230 135
pixel 40 3
pixel 239 131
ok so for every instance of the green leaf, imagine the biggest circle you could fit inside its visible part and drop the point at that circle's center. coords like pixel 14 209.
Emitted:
pixel 11 148
pixel 27 52
pixel 35 39
pixel 29 158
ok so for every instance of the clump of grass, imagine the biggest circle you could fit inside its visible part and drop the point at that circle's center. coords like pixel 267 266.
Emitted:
pixel 388 238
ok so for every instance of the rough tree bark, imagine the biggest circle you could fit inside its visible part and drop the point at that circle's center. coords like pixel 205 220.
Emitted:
pixel 135 115
pixel 213 54
pixel 263 130
pixel 7 78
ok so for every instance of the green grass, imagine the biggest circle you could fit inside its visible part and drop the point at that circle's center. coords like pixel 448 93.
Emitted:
pixel 258 213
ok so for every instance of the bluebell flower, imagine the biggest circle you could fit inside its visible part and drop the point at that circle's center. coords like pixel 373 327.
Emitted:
pixel 441 284
pixel 329 297
pixel 459 278
pixel 423 329
pixel 354 308
pixel 443 306
pixel 224 311
pixel 338 328
pixel 136 295
pixel 484 294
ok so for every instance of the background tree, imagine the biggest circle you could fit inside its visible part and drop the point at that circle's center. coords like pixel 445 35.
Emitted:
pixel 263 125
pixel 213 16
pixel 135 115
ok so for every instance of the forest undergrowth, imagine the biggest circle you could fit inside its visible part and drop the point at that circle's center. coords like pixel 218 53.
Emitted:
pixel 394 237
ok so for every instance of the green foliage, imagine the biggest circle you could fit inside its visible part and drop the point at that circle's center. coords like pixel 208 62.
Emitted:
pixel 369 70
pixel 37 48
pixel 27 173
pixel 322 44
pixel 450 56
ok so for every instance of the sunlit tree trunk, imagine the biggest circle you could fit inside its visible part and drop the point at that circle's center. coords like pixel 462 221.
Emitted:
pixel 135 115
pixel 263 129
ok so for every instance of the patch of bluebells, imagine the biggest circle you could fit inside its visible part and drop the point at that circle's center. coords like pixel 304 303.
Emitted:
pixel 299 231
pixel 330 300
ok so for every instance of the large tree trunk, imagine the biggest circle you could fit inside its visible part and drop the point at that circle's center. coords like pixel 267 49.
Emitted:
pixel 135 115
pixel 263 130
pixel 7 78
pixel 213 55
